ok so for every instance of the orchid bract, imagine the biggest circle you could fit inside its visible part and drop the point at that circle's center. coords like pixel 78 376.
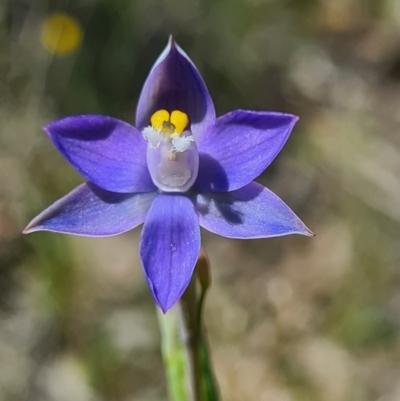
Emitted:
pixel 178 169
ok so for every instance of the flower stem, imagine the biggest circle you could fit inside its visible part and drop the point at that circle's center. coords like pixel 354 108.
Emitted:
pixel 184 342
pixel 190 333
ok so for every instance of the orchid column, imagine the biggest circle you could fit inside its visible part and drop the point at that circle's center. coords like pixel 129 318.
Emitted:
pixel 179 169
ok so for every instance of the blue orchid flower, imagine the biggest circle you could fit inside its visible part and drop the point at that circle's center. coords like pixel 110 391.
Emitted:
pixel 180 168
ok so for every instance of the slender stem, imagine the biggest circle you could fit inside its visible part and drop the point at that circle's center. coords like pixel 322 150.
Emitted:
pixel 184 342
pixel 190 331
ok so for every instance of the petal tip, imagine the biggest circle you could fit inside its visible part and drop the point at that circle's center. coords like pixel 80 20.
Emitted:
pixel 294 120
pixel 30 228
pixel 33 226
pixel 306 231
pixel 50 129
pixel 46 128
pixel 165 304
pixel 165 300
pixel 162 301
pixel 164 310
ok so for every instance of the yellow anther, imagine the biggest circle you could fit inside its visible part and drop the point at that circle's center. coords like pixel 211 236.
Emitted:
pixel 180 120
pixel 158 118
pixel 173 124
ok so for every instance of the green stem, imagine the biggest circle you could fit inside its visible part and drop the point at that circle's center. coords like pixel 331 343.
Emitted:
pixel 190 333
pixel 173 356
pixel 184 342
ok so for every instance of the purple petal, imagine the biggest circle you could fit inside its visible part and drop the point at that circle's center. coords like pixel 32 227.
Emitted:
pixel 175 84
pixel 108 152
pixel 169 247
pixel 250 212
pixel 239 147
pixel 91 211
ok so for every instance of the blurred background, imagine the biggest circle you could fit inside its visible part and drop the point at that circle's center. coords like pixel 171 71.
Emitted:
pixel 289 319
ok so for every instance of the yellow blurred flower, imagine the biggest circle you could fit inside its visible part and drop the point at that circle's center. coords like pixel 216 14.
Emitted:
pixel 61 34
